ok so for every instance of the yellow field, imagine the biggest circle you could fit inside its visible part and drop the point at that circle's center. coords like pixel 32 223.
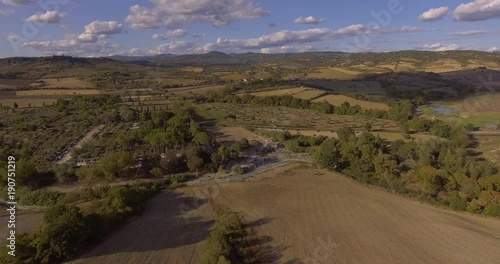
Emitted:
pixel 193 69
pixel 339 99
pixel 279 92
pixel 56 92
pixel 65 82
pixel 308 94
pixel 335 73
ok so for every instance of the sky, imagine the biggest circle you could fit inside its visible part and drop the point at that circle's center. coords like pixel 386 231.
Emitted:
pixel 94 28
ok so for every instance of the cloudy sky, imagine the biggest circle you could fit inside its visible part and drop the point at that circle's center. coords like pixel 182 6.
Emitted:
pixel 149 27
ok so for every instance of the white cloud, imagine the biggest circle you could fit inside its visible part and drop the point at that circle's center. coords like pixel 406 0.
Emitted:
pixel 478 10
pixel 12 38
pixel 50 17
pixel 287 38
pixel 309 20
pixel 493 49
pixel 100 29
pixel 287 49
pixel 178 33
pixel 175 13
pixel 17 2
pixel 441 47
pixel 169 47
pixel 198 35
pixel 433 14
pixel 92 42
pixel 6 12
pixel 73 47
pixel 469 33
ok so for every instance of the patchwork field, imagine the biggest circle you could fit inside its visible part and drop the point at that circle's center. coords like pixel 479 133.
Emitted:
pixel 68 82
pixel 339 99
pixel 333 73
pixel 316 216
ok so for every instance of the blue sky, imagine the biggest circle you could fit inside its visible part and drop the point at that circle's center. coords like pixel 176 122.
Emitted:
pixel 149 27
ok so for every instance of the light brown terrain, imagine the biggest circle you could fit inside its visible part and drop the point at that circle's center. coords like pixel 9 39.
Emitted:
pixel 171 230
pixel 307 215
pixel 302 210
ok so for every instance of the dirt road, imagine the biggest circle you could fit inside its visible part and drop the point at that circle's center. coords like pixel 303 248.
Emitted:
pixel 86 138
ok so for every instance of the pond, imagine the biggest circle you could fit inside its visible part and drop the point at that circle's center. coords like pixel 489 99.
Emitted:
pixel 442 109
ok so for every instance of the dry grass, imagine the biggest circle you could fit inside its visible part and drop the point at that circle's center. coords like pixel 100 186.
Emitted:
pixel 475 104
pixel 12 83
pixel 309 94
pixel 333 73
pixel 231 134
pixel 57 92
pixel 279 92
pixel 339 99
pixel 300 209
pixel 68 82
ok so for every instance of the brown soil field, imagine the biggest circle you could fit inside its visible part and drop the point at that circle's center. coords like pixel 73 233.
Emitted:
pixel 316 216
pixel 12 83
pixel 68 82
pixel 312 93
pixel 279 92
pixel 172 230
pixel 339 99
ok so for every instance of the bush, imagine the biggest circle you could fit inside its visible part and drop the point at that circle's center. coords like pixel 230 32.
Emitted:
pixel 237 169
pixel 39 198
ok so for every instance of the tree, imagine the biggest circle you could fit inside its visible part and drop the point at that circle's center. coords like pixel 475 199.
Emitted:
pixel 194 162
pixel 156 172
pixel 64 173
pixel 329 156
pixel 26 173
pixel 345 133
pixel 15 105
pixel 61 235
pixel 112 163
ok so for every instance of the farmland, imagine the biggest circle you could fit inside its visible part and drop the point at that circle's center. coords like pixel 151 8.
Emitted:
pixel 157 159
pixel 340 99
pixel 300 207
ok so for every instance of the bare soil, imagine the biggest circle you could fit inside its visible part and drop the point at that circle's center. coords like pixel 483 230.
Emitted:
pixel 315 216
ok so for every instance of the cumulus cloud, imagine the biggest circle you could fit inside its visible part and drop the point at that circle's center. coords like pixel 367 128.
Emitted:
pixel 309 20
pixel 477 10
pixel 287 49
pixel 493 49
pixel 6 12
pixel 100 29
pixel 469 33
pixel 12 38
pixel 178 33
pixel 169 47
pixel 287 38
pixel 92 42
pixel 433 14
pixel 17 2
pixel 175 13
pixel 73 47
pixel 441 47
pixel 50 17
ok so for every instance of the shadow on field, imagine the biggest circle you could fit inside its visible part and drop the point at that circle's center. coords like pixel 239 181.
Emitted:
pixel 170 220
pixel 260 249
